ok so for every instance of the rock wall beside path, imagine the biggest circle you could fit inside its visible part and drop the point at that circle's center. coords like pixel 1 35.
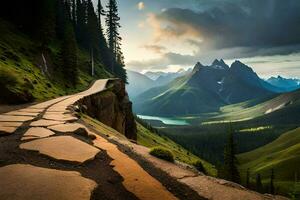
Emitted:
pixel 112 107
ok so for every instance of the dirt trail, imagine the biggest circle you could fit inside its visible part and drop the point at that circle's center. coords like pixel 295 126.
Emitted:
pixel 46 152
pixel 34 152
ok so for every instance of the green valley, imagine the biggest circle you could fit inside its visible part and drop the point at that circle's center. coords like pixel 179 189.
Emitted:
pixel 282 155
pixel 266 134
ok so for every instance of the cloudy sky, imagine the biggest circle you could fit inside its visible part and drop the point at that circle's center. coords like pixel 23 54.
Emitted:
pixel 172 34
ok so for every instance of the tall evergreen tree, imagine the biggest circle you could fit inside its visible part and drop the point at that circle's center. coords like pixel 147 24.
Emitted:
pixel 81 23
pixel 69 55
pixel 230 160
pixel 92 25
pixel 259 186
pixel 248 178
pixel 100 13
pixel 120 70
pixel 46 22
pixel 272 188
pixel 113 25
pixel 93 34
pixel 105 56
pixel 74 18
pixel 114 40
pixel 68 9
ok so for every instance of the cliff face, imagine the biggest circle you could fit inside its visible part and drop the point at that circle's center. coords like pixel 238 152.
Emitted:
pixel 112 107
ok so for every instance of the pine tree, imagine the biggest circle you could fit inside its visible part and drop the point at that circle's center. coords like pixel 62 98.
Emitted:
pixel 105 55
pixel 230 160
pixel 120 71
pixel 46 17
pixel 93 33
pixel 92 24
pixel 259 186
pixel 272 188
pixel 68 10
pixel 60 19
pixel 113 24
pixel 114 40
pixel 74 20
pixel 248 178
pixel 81 23
pixel 69 55
pixel 100 13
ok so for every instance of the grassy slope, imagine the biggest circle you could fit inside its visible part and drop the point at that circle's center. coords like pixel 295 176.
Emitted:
pixel 149 139
pixel 207 139
pixel 20 56
pixel 248 110
pixel 283 155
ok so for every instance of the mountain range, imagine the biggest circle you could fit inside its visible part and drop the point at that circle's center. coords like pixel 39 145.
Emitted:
pixel 205 89
pixel 160 75
pixel 139 83
pixel 286 84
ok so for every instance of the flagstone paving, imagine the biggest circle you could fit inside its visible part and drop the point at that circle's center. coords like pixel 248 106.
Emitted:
pixel 136 180
pixel 31 110
pixel 59 117
pixel 64 148
pixel 66 128
pixel 11 118
pixel 11 124
pixel 27 182
pixel 45 123
pixel 7 130
pixel 20 113
pixel 37 132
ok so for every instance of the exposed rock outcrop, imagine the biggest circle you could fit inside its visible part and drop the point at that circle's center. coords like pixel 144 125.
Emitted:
pixel 112 107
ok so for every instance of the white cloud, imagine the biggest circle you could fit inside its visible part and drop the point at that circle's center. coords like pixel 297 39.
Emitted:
pixel 141 5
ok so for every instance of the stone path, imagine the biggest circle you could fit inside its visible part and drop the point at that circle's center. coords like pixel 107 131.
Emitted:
pixel 37 132
pixel 12 118
pixel 21 113
pixel 5 130
pixel 58 158
pixel 27 182
pixel 205 186
pixel 66 128
pixel 46 125
pixel 136 180
pixel 64 148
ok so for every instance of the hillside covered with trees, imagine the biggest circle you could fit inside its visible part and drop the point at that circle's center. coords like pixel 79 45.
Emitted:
pixel 55 47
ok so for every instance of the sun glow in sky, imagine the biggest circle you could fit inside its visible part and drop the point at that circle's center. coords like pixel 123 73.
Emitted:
pixel 166 35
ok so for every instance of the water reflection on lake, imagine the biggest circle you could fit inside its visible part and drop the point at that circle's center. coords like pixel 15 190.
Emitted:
pixel 165 120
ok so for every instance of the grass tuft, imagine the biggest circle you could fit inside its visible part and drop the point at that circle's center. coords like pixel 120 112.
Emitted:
pixel 199 166
pixel 162 153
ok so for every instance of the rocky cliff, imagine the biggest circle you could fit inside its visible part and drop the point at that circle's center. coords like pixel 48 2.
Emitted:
pixel 112 107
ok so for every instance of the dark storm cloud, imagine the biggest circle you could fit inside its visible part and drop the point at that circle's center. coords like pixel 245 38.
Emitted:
pixel 241 23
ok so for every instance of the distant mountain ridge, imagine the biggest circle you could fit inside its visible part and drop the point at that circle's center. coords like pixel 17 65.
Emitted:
pixel 205 89
pixel 154 75
pixel 286 84
pixel 166 77
pixel 139 83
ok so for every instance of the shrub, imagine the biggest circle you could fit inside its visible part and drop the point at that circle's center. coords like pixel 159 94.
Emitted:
pixel 7 78
pixel 162 153
pixel 199 166
pixel 13 91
